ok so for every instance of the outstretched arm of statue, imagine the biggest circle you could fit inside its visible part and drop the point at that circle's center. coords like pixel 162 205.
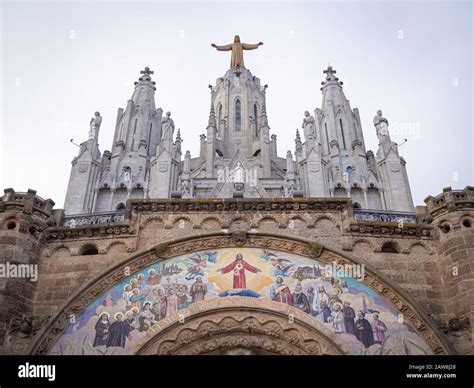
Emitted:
pixel 226 47
pixel 248 46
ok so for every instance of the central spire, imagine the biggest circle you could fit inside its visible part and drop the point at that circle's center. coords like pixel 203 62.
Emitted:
pixel 237 48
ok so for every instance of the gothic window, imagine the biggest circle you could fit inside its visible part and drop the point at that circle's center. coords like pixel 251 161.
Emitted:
pixel 149 139
pixel 349 172
pixel 219 129
pixel 238 116
pixel 255 115
pixel 121 132
pixel 120 206
pixel 327 137
pixel 342 134
pixel 134 130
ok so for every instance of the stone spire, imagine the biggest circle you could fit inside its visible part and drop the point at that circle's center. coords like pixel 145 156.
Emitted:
pixel 298 143
pixel 212 117
pixel 264 118
pixel 178 142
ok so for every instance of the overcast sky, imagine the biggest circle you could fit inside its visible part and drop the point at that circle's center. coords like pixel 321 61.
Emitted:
pixel 60 62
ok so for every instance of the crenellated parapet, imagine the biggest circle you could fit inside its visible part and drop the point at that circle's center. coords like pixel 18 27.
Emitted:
pixel 450 200
pixel 28 203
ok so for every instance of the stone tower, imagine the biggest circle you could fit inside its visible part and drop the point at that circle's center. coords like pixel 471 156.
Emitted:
pixel 238 134
pixel 334 162
pixel 23 218
pixel 104 182
pixel 452 213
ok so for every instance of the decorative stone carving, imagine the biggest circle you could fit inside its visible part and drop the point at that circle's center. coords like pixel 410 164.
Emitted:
pixel 239 237
pixel 460 334
pixel 109 218
pixel 376 216
pixel 315 249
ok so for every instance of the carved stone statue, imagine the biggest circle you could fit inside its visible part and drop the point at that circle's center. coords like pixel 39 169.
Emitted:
pixel 167 127
pixel 185 189
pixel 309 125
pixel 95 125
pixel 237 48
pixel 381 126
pixel 238 173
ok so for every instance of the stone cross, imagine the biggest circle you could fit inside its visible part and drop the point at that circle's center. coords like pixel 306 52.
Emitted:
pixel 329 71
pixel 147 71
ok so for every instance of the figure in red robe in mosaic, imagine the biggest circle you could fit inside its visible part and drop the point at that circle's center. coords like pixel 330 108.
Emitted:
pixel 239 266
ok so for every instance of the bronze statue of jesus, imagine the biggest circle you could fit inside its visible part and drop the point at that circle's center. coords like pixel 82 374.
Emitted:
pixel 237 58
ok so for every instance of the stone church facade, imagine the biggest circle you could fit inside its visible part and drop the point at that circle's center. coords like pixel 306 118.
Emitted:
pixel 148 221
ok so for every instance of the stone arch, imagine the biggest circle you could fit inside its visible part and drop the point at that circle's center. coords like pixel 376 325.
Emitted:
pixel 321 221
pixel 390 246
pixel 239 221
pixel 268 222
pixel 175 222
pixel 116 247
pixel 358 245
pixel 260 326
pixel 49 252
pixel 154 219
pixel 210 223
pixel 326 225
pixel 420 247
pixel 89 249
pixel 414 315
pixel 296 222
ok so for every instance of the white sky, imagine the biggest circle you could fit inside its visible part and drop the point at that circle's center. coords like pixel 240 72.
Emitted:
pixel 60 62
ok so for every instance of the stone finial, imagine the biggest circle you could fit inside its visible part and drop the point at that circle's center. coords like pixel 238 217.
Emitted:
pixel 330 76
pixel 299 145
pixel 212 117
pixel 263 117
pixel 145 76
pixel 178 141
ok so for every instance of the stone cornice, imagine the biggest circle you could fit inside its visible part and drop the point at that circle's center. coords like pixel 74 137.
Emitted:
pixel 234 204
pixel 390 228
pixel 89 231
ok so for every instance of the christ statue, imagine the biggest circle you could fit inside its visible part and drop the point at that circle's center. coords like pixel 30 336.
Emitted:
pixel 237 48
pixel 239 266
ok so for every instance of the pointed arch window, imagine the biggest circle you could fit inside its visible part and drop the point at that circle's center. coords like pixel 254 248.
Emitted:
pixel 219 125
pixel 255 117
pixel 149 139
pixel 327 137
pixel 342 134
pixel 238 116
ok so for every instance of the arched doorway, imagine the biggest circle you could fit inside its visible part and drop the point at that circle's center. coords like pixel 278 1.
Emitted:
pixel 235 326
